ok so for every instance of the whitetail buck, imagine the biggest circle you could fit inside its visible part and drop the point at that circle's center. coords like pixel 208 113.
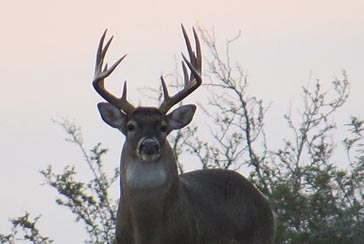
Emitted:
pixel 158 206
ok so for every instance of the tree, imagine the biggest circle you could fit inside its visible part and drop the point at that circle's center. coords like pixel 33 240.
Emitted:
pixel 90 201
pixel 24 228
pixel 314 200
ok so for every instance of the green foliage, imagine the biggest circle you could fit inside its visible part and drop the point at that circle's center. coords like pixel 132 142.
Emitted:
pixel 89 201
pixel 24 228
pixel 314 201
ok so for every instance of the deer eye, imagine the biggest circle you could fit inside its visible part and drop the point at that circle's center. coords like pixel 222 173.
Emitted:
pixel 130 127
pixel 164 128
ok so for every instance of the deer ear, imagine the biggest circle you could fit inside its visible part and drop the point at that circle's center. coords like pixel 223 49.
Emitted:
pixel 112 115
pixel 180 117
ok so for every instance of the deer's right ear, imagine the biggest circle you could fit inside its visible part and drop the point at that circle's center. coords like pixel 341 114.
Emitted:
pixel 112 115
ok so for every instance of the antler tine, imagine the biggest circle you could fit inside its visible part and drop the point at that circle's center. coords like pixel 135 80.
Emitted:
pixel 165 89
pixel 101 73
pixel 190 83
pixel 185 74
pixel 198 50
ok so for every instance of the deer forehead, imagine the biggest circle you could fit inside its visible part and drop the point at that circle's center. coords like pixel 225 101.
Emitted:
pixel 147 115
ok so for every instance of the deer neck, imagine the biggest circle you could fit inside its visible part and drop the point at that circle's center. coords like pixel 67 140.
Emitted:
pixel 149 188
pixel 140 176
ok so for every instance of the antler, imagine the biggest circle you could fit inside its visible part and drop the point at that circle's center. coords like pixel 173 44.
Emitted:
pixel 101 73
pixel 190 83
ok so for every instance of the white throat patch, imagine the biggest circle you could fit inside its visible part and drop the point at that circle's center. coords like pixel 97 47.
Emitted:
pixel 144 175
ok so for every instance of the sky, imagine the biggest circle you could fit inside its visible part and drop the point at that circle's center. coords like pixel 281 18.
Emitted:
pixel 47 56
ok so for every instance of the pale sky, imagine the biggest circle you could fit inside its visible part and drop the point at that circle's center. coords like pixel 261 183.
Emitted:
pixel 47 59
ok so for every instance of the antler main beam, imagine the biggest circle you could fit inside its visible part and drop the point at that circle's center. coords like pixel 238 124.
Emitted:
pixel 102 72
pixel 191 82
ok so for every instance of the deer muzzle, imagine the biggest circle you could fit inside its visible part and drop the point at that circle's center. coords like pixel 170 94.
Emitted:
pixel 148 148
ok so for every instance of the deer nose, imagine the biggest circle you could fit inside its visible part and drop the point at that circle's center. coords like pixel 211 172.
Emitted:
pixel 149 146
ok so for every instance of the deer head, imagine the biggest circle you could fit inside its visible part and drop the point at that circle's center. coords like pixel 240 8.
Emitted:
pixel 146 128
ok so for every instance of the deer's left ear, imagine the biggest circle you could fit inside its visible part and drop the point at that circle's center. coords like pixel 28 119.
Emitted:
pixel 180 117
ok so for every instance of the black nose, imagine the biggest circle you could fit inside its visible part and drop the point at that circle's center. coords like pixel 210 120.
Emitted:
pixel 149 146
